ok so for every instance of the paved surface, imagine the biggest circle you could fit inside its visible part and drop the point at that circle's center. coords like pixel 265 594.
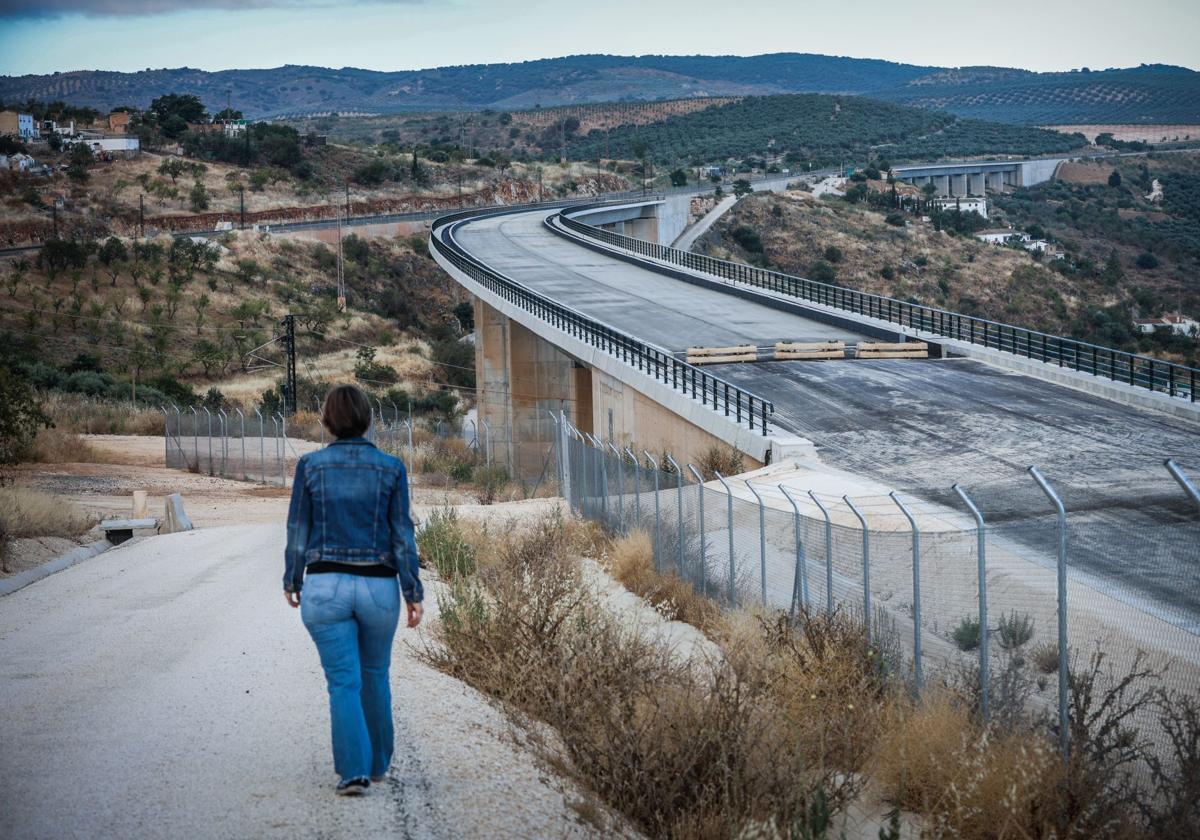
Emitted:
pixel 667 312
pixel 164 689
pixel 920 426
pixel 688 238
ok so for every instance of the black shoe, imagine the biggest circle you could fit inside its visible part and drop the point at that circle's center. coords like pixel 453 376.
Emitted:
pixel 353 787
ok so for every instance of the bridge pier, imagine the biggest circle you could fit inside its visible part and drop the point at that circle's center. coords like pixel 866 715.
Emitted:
pixel 977 184
pixel 520 379
pixel 995 181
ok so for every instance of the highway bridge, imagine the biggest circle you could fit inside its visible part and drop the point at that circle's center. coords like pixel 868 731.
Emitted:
pixel 573 315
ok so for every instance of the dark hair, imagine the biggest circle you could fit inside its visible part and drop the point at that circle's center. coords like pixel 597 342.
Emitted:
pixel 346 413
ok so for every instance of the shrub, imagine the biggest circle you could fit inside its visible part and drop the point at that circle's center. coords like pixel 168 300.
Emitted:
pixel 833 254
pixel 443 546
pixel 966 634
pixel 1045 657
pixel 56 446
pixel 489 481
pixel 29 513
pixel 1014 630
pixel 725 460
pixel 1146 261
pixel 895 219
pixel 822 272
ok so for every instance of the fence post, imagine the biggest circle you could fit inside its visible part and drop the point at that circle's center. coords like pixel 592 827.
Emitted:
pixel 620 486
pixel 487 425
pixel 637 478
pixel 800 577
pixel 275 434
pixel 916 589
pixel 262 452
pixel 732 560
pixel 828 553
pixel 242 426
pixel 980 530
pixel 866 555
pixel 703 538
pixel 1063 720
pixel 224 439
pixel 762 541
pixel 654 463
pixel 679 504
pixel 196 435
pixel 166 435
pixel 210 457
pixel 1180 476
pixel 283 448
pixel 565 450
pixel 599 455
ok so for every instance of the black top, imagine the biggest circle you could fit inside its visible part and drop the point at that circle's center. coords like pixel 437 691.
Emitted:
pixel 374 570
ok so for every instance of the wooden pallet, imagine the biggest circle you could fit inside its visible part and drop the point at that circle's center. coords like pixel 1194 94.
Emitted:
pixel 786 351
pixel 722 355
pixel 883 350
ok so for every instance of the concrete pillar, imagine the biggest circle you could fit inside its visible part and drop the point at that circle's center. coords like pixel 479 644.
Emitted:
pixel 958 185
pixel 519 378
pixel 995 181
pixel 943 184
pixel 976 186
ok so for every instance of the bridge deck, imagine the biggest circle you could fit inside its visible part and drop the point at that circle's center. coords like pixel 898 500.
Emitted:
pixel 653 307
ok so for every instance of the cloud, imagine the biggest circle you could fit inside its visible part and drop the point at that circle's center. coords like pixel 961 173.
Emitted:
pixel 125 8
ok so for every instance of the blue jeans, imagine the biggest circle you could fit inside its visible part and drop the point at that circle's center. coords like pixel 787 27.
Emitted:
pixel 353 620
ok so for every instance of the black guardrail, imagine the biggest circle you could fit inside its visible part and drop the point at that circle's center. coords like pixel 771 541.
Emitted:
pixel 1118 365
pixel 737 403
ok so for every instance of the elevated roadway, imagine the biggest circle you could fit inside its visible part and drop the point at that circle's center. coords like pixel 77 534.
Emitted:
pixel 915 425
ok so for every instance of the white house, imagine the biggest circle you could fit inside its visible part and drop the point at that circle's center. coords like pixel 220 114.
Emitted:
pixel 112 146
pixel 1174 322
pixel 965 204
pixel 1001 236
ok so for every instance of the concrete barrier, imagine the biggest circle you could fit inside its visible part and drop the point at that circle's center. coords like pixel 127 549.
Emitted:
pixel 788 351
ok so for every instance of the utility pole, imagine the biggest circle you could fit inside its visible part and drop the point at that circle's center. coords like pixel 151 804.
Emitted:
pixel 142 216
pixel 289 349
pixel 242 206
pixel 347 201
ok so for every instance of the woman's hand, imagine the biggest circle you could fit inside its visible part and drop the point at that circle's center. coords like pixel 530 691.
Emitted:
pixel 293 599
pixel 415 611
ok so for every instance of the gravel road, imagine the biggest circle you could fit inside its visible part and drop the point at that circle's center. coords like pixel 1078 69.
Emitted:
pixel 164 689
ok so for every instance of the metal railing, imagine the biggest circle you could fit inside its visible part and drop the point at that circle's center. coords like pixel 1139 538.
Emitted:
pixel 1117 365
pixel 947 590
pixel 737 404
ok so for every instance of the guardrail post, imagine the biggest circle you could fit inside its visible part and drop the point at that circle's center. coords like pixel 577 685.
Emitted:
pixel 800 577
pixel 918 679
pixel 762 541
pixel 828 553
pixel 981 532
pixel 1180 476
pixel 703 537
pixel 1064 722
pixel 679 505
pixel 866 562
pixel 732 559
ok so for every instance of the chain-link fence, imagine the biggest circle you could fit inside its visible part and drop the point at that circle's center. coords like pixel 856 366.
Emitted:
pixel 1003 608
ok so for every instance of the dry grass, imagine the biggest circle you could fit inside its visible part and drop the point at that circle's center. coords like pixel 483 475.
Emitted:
pixel 935 759
pixel 631 561
pixel 55 446
pixel 75 413
pixel 29 513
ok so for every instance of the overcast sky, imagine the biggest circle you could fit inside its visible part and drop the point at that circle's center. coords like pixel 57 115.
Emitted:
pixel 42 36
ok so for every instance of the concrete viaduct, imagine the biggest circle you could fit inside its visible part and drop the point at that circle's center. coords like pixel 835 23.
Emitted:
pixel 977 177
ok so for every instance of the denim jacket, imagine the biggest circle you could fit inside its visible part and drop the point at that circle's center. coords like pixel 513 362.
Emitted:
pixel 350 505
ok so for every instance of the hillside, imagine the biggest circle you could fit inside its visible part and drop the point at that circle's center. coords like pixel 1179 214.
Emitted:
pixel 1147 94
pixel 1125 256
pixel 1140 95
pixel 815 128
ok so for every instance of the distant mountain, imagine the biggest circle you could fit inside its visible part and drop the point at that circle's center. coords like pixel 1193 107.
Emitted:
pixel 1147 94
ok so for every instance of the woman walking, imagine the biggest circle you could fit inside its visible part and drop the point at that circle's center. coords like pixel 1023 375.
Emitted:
pixel 350 546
